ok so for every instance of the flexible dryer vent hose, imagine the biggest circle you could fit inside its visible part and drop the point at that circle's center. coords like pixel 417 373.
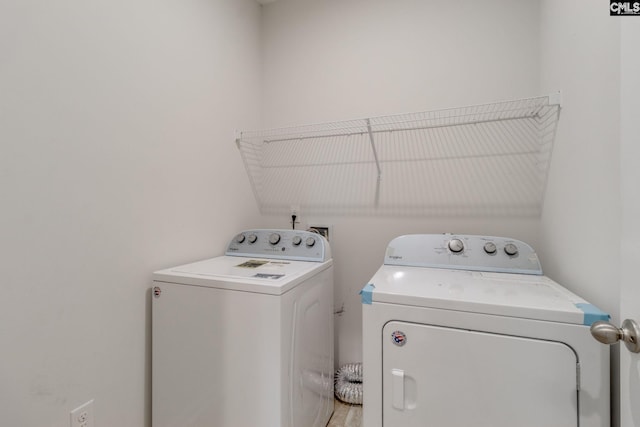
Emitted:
pixel 349 383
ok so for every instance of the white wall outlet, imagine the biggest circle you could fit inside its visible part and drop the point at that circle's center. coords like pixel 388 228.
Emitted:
pixel 82 416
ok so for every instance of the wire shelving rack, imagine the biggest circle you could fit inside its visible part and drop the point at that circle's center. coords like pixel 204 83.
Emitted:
pixel 489 159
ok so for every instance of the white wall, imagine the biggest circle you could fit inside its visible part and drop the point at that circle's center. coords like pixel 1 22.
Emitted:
pixel 580 223
pixel 117 158
pixel 580 229
pixel 342 59
pixel 336 59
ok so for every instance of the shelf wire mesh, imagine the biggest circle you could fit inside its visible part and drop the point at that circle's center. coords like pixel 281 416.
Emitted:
pixel 489 159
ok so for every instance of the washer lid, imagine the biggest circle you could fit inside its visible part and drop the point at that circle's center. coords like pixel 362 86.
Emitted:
pixel 501 294
pixel 259 275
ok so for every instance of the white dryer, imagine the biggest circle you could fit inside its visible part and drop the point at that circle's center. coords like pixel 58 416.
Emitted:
pixel 246 339
pixel 465 330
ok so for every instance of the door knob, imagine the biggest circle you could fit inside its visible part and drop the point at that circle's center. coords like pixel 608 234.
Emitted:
pixel 607 333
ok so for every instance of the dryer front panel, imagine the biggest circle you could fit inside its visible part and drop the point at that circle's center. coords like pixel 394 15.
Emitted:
pixel 451 377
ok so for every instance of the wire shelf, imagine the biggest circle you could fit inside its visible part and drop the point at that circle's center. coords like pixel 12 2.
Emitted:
pixel 489 159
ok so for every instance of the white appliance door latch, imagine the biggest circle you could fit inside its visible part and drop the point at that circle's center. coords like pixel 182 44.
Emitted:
pixel 397 386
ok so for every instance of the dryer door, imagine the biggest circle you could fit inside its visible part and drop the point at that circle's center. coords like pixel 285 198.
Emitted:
pixel 438 376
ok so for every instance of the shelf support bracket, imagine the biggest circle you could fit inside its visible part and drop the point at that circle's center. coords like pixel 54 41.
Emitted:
pixel 375 156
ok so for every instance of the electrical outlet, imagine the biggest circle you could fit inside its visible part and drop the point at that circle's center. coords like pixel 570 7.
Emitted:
pixel 82 416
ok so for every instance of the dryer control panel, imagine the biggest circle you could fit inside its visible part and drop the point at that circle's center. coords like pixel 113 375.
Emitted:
pixel 295 245
pixel 463 252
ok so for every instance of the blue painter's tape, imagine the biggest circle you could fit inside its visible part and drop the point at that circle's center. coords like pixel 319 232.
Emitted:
pixel 367 293
pixel 592 313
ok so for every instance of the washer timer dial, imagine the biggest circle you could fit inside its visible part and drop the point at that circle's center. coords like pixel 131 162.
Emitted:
pixel 456 245
pixel 274 238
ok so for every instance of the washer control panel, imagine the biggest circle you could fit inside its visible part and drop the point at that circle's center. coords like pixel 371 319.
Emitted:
pixel 463 252
pixel 295 245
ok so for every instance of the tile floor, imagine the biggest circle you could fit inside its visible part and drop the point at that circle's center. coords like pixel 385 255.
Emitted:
pixel 345 415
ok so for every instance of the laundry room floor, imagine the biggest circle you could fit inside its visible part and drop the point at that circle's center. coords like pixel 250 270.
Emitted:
pixel 345 415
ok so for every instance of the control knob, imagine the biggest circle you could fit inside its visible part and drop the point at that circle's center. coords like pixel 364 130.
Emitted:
pixel 456 245
pixel 490 248
pixel 310 241
pixel 296 240
pixel 240 238
pixel 511 249
pixel 252 238
pixel 274 238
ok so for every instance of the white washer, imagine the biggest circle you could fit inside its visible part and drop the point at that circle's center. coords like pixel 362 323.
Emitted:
pixel 466 331
pixel 246 339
